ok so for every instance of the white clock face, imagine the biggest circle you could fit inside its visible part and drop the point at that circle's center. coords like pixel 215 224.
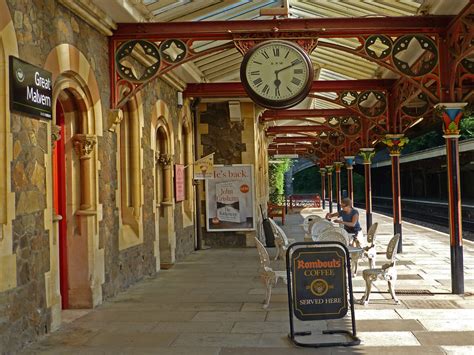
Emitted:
pixel 277 71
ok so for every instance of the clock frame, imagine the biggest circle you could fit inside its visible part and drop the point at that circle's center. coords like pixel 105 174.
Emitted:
pixel 278 64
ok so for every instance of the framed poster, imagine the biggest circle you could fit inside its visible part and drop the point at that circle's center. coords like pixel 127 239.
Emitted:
pixel 230 199
pixel 179 188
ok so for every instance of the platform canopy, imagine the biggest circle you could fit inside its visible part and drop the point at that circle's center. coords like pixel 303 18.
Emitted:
pixel 380 66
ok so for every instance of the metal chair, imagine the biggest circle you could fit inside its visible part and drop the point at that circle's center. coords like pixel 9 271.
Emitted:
pixel 319 227
pixel 369 250
pixel 332 235
pixel 387 272
pixel 308 224
pixel 268 276
pixel 281 240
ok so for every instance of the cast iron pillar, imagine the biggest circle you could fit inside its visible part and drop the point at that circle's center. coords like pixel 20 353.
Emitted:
pixel 329 169
pixel 350 160
pixel 323 186
pixel 367 154
pixel 337 168
pixel 452 114
pixel 395 143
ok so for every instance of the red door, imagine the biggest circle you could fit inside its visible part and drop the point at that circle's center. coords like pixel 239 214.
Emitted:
pixel 59 182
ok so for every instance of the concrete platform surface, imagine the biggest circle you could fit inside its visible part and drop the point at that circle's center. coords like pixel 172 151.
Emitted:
pixel 211 303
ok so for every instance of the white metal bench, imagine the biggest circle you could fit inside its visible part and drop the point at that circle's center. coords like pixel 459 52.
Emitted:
pixel 281 240
pixel 308 224
pixel 387 272
pixel 369 250
pixel 319 227
pixel 268 276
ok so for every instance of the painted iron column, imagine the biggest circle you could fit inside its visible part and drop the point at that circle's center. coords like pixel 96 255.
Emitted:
pixel 329 169
pixel 367 154
pixel 395 143
pixel 452 114
pixel 350 160
pixel 337 168
pixel 323 186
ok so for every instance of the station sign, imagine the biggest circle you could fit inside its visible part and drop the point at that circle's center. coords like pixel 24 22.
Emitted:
pixel 319 283
pixel 31 89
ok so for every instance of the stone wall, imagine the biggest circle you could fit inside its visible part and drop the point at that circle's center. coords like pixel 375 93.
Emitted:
pixel 224 138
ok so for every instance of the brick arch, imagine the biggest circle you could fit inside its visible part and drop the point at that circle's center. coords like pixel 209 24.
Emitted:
pixel 165 239
pixel 76 88
pixel 66 60
pixel 160 118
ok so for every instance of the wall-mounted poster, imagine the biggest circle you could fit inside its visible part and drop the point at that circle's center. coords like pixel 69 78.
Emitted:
pixel 229 199
pixel 179 187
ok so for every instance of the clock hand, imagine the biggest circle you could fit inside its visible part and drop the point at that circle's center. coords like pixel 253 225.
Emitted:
pixel 287 67
pixel 277 81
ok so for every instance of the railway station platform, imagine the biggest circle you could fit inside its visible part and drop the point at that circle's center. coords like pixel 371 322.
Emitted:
pixel 211 304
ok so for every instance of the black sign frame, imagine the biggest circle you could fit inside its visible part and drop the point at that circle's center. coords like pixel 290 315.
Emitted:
pixel 328 262
pixel 31 89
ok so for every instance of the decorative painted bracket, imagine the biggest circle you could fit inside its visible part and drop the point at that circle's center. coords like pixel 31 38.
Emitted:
pixel 350 161
pixel 395 143
pixel 367 154
pixel 451 113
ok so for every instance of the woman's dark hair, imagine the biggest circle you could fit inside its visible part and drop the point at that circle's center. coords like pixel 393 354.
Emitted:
pixel 346 202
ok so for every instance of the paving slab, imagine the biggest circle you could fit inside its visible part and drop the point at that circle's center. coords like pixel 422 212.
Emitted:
pixel 211 303
pixel 446 338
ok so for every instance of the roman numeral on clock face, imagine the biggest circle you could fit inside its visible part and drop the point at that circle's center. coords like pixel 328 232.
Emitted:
pixel 296 81
pixel 276 52
pixel 296 62
pixel 257 82
pixel 265 54
pixel 298 71
pixel 255 72
pixel 266 90
pixel 277 91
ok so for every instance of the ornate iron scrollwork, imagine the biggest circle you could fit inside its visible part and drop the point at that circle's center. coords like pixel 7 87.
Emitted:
pixel 349 97
pixel 137 52
pixel 373 46
pixel 417 107
pixel 173 51
pixel 468 64
pixel 336 139
pixel 372 103
pixel 426 62
pixel 351 125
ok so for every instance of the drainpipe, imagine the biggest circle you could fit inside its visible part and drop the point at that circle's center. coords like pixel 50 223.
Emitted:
pixel 197 184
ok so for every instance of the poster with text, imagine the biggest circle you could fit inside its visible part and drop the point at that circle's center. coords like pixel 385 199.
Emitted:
pixel 229 199
pixel 179 186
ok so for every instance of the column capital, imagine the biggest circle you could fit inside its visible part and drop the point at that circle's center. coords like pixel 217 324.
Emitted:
pixel 451 113
pixel 163 159
pixel 329 169
pixel 84 145
pixel 322 171
pixel 395 143
pixel 367 154
pixel 55 134
pixel 337 166
pixel 350 161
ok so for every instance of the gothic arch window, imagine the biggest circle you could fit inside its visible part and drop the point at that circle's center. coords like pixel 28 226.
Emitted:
pixel 130 175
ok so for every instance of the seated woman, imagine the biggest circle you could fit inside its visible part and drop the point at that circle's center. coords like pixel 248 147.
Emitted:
pixel 349 218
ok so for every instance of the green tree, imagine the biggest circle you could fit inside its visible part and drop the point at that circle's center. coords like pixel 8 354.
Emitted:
pixel 277 180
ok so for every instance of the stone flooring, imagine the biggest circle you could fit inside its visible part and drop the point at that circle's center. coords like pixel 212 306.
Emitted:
pixel 211 304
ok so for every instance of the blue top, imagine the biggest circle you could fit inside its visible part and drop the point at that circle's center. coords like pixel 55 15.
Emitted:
pixel 347 217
